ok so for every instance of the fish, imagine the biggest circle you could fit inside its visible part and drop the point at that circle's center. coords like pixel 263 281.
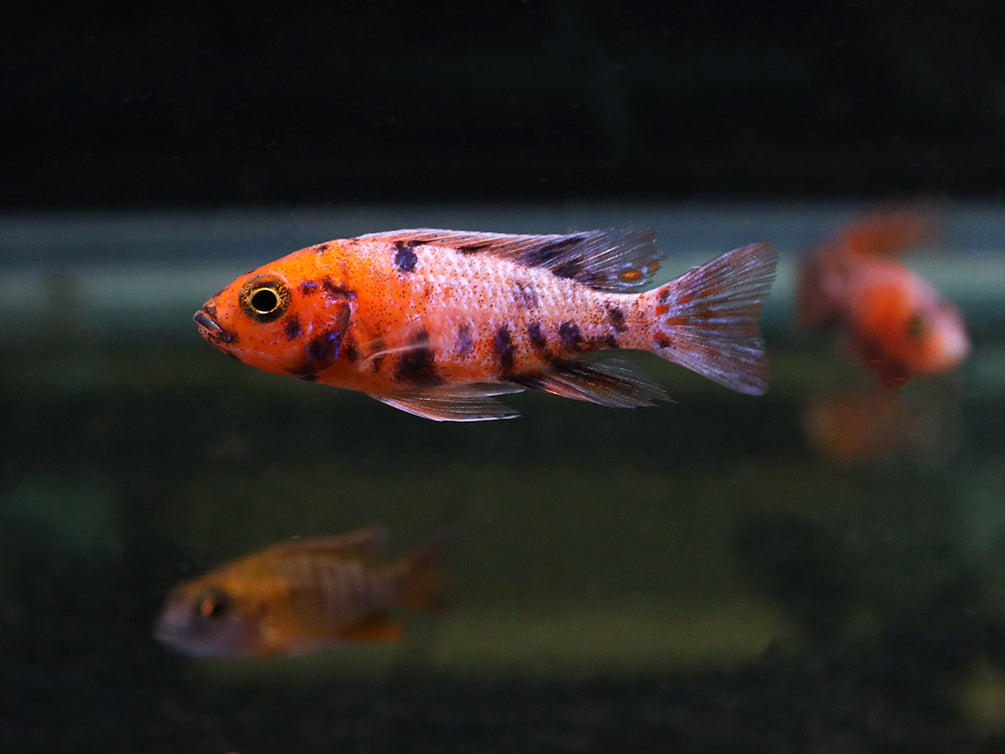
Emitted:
pixel 859 425
pixel 897 323
pixel 855 425
pixel 303 595
pixel 438 323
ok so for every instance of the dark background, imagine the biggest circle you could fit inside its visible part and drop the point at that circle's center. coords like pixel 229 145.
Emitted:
pixel 237 104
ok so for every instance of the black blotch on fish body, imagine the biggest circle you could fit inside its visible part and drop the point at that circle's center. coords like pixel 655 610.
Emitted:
pixel 291 327
pixel 323 348
pixel 321 248
pixel 417 365
pixel 569 333
pixel 536 336
pixel 617 319
pixel 337 290
pixel 404 256
pixel 349 349
pixel 464 342
pixel 378 361
pixel 504 349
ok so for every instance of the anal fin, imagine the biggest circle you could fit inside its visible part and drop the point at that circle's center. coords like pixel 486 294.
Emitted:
pixel 603 380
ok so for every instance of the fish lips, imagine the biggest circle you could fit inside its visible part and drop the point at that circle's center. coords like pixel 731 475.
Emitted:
pixel 180 640
pixel 174 628
pixel 210 329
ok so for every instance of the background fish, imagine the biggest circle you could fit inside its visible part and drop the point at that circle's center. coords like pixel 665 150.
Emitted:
pixel 302 595
pixel 436 322
pixel 894 319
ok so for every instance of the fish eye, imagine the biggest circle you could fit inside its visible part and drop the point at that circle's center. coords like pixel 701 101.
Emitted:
pixel 264 298
pixel 916 326
pixel 213 606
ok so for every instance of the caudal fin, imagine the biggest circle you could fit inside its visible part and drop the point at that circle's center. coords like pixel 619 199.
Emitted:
pixel 707 318
pixel 425 584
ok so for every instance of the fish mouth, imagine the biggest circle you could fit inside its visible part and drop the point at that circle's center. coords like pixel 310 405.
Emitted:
pixel 210 329
pixel 165 632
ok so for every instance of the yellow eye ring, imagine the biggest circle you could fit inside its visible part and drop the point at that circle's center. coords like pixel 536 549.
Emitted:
pixel 264 298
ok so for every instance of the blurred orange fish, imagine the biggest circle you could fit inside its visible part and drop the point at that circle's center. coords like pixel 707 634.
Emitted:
pixel 898 324
pixel 856 426
pixel 436 322
pixel 302 595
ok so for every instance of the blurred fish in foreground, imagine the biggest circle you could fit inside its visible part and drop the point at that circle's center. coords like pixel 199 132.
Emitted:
pixel 303 595
pixel 439 322
pixel 897 323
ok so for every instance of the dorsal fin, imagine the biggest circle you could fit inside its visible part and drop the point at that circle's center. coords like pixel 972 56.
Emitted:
pixel 368 545
pixel 618 261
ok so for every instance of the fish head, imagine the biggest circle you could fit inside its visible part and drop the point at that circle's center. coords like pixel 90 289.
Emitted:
pixel 939 335
pixel 906 324
pixel 207 619
pixel 287 317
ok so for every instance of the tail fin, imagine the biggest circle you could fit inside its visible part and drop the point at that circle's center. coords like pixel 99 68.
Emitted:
pixel 707 318
pixel 425 584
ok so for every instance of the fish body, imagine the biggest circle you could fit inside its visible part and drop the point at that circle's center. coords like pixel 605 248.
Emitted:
pixel 301 595
pixel 894 319
pixel 437 322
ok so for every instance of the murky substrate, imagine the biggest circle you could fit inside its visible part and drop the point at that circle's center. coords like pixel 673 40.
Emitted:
pixel 700 573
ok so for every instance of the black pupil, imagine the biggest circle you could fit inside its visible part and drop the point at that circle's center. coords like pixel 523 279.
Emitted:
pixel 264 300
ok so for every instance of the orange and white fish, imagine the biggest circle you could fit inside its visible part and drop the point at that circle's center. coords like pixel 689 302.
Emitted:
pixel 302 595
pixel 896 321
pixel 436 322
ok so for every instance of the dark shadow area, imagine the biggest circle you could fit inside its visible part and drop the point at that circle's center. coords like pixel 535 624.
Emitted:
pixel 237 104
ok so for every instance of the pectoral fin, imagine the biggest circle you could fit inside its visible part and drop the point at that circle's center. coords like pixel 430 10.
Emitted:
pixel 454 403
